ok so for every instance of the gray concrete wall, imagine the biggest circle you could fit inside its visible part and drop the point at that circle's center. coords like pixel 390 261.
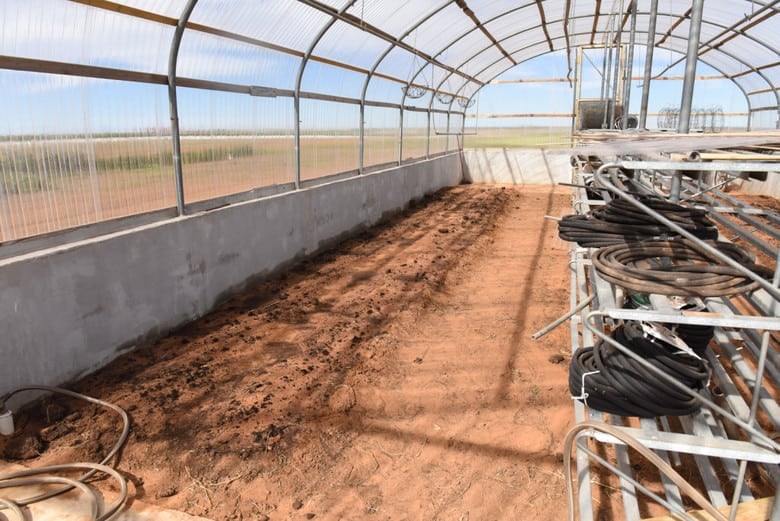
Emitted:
pixel 68 310
pixel 518 166
pixel 769 187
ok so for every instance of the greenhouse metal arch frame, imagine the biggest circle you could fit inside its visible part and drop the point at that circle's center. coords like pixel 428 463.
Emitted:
pixel 489 35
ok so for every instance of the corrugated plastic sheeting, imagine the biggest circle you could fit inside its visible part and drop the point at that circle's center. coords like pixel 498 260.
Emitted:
pixel 171 8
pixel 381 136
pixel 466 45
pixel 327 79
pixel 380 89
pixel 257 150
pixel 330 142
pixel 208 57
pixel 400 63
pixel 440 130
pixel 415 134
pixel 445 26
pixel 394 17
pixel 74 174
pixel 75 33
pixel 348 44
pixel 289 24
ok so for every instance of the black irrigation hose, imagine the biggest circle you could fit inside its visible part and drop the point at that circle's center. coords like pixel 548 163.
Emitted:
pixel 619 222
pixel 676 267
pixel 607 380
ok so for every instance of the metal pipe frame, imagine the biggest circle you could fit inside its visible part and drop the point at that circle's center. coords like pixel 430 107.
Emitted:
pixel 628 68
pixel 297 95
pixel 618 65
pixel 691 59
pixel 173 57
pixel 648 64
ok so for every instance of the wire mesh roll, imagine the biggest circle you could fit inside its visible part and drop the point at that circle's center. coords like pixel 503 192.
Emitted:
pixel 676 267
pixel 608 380
pixel 619 222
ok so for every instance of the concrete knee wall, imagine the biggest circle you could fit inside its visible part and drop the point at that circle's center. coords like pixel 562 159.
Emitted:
pixel 518 166
pixel 66 311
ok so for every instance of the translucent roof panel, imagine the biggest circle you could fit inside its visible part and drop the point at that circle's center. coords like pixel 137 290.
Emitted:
pixel 349 45
pixel 170 8
pixel 208 57
pixel 289 24
pixel 74 33
pixel 397 17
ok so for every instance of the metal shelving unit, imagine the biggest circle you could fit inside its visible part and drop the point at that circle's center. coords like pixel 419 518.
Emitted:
pixel 724 437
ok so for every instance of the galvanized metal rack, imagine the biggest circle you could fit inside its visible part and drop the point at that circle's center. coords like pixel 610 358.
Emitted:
pixel 737 426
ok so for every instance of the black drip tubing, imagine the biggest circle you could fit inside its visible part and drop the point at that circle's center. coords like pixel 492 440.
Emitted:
pixel 608 380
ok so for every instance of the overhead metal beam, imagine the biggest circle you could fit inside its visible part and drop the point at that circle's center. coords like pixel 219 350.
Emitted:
pixel 465 8
pixel 597 12
pixel 544 24
pixel 707 46
pixel 363 26
pixel 672 28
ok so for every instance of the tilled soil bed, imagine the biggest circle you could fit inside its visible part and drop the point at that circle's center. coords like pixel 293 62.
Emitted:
pixel 392 377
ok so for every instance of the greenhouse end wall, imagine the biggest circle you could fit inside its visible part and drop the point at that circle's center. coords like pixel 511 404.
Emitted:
pixel 69 310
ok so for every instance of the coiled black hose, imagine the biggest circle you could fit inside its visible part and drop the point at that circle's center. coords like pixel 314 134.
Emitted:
pixel 619 222
pixel 610 381
pixel 676 267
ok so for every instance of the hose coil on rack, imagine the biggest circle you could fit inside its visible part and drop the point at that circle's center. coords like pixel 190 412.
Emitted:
pixel 608 380
pixel 619 222
pixel 676 267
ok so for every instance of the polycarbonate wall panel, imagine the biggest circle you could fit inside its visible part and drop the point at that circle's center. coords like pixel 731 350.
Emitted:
pixel 441 128
pixel 208 57
pixel 74 33
pixel 766 119
pixel 289 24
pixel 330 138
pixel 400 64
pixel 75 151
pixel 326 79
pixel 415 134
pixel 381 136
pixel 233 143
pixel 380 89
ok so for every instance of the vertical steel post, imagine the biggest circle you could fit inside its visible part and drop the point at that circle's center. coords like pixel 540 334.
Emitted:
pixel 648 64
pixel 628 69
pixel 297 92
pixel 618 60
pixel 691 57
pixel 173 57
pixel 362 137
pixel 576 93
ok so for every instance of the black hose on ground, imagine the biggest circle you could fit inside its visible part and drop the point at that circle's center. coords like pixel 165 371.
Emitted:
pixel 607 380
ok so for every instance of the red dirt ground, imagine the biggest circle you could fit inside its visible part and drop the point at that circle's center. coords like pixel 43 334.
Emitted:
pixel 392 377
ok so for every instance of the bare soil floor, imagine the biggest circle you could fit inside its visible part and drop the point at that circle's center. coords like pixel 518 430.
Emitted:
pixel 392 377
